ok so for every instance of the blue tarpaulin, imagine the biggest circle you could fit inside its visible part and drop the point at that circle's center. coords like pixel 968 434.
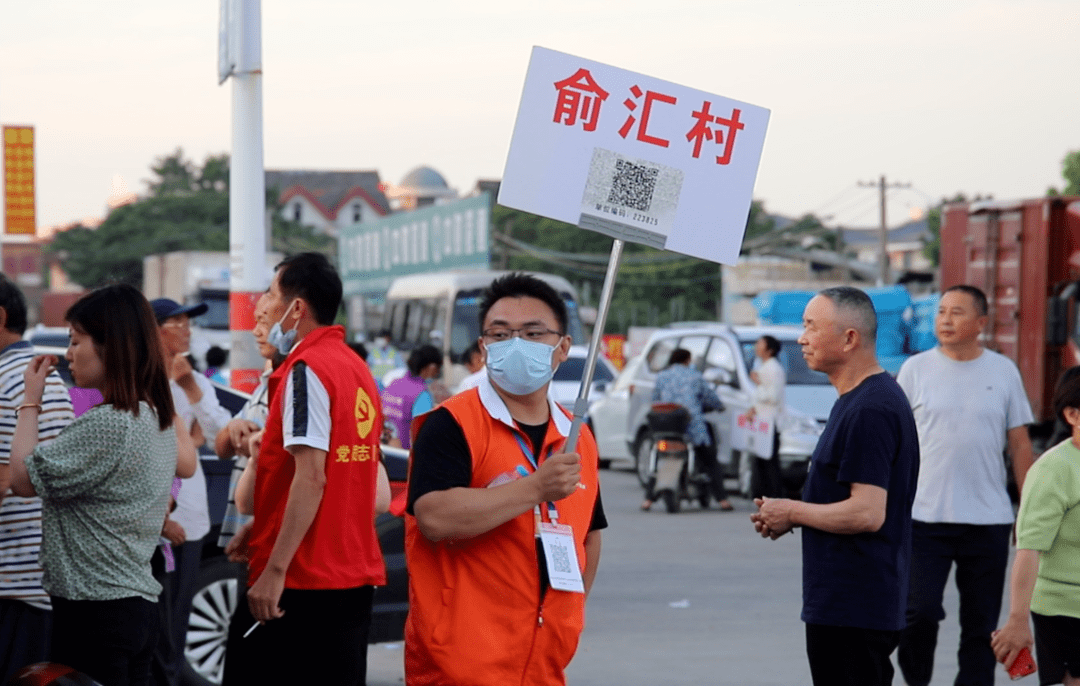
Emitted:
pixel 892 304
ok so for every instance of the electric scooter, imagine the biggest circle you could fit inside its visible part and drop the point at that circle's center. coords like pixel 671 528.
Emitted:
pixel 674 476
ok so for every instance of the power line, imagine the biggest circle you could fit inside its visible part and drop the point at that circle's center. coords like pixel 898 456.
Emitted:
pixel 857 201
pixel 833 199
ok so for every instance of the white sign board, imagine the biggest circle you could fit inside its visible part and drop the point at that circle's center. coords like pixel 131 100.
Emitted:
pixel 634 157
pixel 754 436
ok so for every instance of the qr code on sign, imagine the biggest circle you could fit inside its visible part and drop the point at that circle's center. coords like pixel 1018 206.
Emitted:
pixel 633 185
pixel 560 559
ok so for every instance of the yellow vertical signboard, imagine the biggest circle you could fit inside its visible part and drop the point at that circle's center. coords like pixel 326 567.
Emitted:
pixel 19 210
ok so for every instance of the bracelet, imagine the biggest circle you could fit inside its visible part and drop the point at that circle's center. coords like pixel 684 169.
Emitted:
pixel 22 407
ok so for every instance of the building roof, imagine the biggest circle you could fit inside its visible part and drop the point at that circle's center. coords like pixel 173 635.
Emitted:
pixel 489 186
pixel 329 191
pixel 912 232
pixel 424 178
pixel 908 233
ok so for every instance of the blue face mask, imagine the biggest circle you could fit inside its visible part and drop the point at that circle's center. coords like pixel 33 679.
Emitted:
pixel 518 366
pixel 282 340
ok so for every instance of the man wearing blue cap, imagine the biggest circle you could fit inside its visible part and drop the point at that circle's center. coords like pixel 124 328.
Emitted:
pixel 198 407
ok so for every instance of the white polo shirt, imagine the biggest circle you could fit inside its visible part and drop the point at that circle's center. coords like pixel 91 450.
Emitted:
pixel 963 411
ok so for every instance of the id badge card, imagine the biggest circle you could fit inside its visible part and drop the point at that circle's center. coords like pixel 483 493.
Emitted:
pixel 561 556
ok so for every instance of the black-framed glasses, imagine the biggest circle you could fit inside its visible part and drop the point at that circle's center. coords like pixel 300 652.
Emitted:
pixel 529 333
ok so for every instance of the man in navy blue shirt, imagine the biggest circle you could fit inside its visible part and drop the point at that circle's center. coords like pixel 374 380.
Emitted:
pixel 856 508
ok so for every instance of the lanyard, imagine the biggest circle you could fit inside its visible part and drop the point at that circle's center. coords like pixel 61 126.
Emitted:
pixel 553 514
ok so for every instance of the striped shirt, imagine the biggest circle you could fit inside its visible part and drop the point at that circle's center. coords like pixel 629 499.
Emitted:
pixel 20 518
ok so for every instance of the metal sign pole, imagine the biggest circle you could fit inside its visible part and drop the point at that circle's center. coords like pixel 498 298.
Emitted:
pixel 581 405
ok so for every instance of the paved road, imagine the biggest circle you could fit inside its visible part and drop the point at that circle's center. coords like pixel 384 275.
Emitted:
pixel 689 599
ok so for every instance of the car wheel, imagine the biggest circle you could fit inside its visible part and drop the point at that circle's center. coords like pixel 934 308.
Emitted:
pixel 643 459
pixel 218 590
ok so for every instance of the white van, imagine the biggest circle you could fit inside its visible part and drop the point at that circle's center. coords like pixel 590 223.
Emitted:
pixel 443 309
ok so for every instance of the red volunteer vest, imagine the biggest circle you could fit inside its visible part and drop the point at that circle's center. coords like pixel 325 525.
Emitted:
pixel 475 613
pixel 341 549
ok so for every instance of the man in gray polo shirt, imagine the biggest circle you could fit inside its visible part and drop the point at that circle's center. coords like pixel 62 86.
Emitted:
pixel 969 405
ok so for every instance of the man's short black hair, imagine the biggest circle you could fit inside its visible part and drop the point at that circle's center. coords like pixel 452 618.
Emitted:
pixel 981 306
pixel 216 356
pixel 679 356
pixel 518 285
pixel 310 276
pixel 14 304
pixel 1067 393
pixel 422 357
pixel 771 344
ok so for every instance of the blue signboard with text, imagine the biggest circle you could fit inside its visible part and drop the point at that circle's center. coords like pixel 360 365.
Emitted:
pixel 450 236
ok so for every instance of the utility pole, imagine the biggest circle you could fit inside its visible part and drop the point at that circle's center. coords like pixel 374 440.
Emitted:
pixel 884 247
pixel 240 57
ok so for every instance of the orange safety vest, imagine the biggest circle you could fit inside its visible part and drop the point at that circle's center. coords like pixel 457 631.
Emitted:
pixel 475 612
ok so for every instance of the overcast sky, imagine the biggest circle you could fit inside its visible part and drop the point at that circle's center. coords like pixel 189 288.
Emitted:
pixel 978 96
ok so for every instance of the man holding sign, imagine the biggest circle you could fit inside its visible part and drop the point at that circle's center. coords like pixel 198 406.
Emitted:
pixel 502 532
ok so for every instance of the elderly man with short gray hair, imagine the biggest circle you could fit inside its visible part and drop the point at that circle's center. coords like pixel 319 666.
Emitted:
pixel 856 508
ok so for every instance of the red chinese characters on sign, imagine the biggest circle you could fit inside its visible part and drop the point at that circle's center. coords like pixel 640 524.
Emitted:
pixel 615 349
pixel 650 98
pixel 746 422
pixel 579 98
pixel 704 130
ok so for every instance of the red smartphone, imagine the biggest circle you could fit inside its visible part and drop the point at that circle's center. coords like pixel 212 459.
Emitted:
pixel 1022 665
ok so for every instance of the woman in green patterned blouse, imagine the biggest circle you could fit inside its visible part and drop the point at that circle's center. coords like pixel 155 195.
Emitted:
pixel 104 484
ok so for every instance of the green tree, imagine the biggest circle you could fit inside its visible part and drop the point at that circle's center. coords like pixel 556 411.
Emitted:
pixel 932 249
pixel 214 174
pixel 176 215
pixel 758 223
pixel 653 286
pixel 1070 171
pixel 187 208
pixel 175 175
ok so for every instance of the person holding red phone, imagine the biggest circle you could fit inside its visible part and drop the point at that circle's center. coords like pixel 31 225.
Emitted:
pixel 1045 582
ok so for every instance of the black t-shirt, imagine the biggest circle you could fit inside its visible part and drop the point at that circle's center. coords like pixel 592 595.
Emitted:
pixel 861 580
pixel 441 460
